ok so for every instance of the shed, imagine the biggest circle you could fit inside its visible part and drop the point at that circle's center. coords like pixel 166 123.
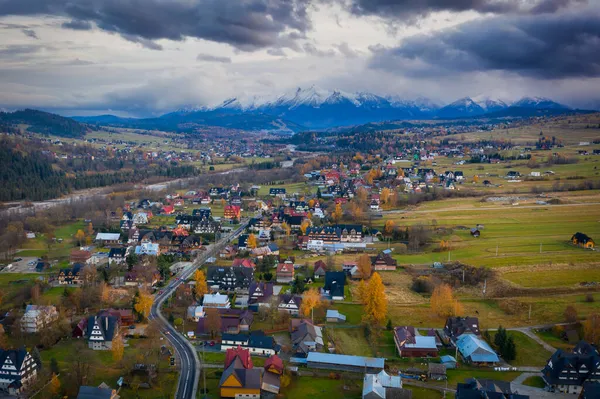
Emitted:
pixel 337 362
pixel 333 316
pixel 448 361
pixel 436 371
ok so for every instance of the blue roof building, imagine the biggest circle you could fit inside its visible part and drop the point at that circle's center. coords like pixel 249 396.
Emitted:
pixel 448 361
pixel 476 350
pixel 356 364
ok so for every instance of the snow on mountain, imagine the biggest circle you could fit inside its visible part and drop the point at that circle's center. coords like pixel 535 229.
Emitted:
pixel 489 104
pixel 461 108
pixel 538 103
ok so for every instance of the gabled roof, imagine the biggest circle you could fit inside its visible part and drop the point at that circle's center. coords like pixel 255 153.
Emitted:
pixel 334 283
pixel 86 392
pixel 456 326
pixel 106 324
pixel 576 365
pixel 274 364
pixel 470 346
pixel 16 357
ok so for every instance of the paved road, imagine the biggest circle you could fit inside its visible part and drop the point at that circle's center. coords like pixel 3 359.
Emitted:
pixel 189 363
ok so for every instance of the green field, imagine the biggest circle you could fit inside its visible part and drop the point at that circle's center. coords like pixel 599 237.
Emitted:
pixel 534 381
pixel 552 278
pixel 461 375
pixel 350 341
pixel 529 352
pixel 323 388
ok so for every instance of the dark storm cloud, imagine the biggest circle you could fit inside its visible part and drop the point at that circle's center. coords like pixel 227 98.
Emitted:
pixel 213 58
pixel 77 24
pixel 245 24
pixel 545 47
pixel 409 10
pixel 30 33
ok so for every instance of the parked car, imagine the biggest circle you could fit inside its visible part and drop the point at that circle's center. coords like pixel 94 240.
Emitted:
pixel 132 327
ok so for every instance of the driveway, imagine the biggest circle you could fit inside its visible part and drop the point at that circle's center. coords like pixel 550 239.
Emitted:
pixel 517 385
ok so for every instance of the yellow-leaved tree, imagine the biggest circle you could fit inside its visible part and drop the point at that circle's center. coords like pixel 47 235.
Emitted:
pixel 117 348
pixel 143 303
pixel 55 384
pixel 252 242
pixel 304 226
pixel 376 302
pixel 310 300
pixel 201 287
pixel 361 291
pixel 286 227
pixel 364 266
pixel 443 302
pixel 389 227
pixel 385 195
pixel 337 213
pixel 80 237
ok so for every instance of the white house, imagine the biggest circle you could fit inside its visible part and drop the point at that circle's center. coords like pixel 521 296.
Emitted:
pixel 315 245
pixel 37 317
pixel 100 332
pixel 108 238
pixel 195 313
pixel 217 301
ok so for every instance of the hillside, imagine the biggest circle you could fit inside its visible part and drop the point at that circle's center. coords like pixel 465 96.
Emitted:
pixel 44 123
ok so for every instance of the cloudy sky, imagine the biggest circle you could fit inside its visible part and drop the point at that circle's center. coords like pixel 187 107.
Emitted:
pixel 146 57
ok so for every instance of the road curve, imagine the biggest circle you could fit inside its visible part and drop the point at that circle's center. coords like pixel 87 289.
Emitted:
pixel 189 363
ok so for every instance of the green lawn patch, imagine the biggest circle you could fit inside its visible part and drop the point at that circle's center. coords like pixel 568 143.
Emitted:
pixel 349 341
pixel 353 312
pixel 461 375
pixel 553 340
pixel 323 388
pixel 529 352
pixel 534 381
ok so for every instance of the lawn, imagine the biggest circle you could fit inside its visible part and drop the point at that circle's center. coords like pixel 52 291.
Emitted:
pixel 424 393
pixel 323 388
pixel 570 276
pixel 349 341
pixel 551 339
pixel 529 352
pixel 461 375
pixel 353 312
pixel 534 381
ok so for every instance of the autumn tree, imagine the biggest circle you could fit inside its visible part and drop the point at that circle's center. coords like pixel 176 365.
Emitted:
pixel 90 229
pixel 117 348
pixel 80 237
pixel 54 385
pixel 201 287
pixel 143 303
pixel 252 242
pixel 304 226
pixel 212 323
pixel 355 211
pixel 103 292
pixel 286 227
pixel 389 227
pixel 364 266
pixel 385 195
pixel 376 302
pixel 337 213
pixel 361 291
pixel 310 300
pixel 591 329
pixel 361 195
pixel 443 302
pixel 570 314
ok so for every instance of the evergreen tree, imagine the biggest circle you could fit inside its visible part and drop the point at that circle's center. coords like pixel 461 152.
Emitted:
pixel 319 195
pixel 500 338
pixel 35 354
pixel 509 351
pixel 171 318
pixel 54 366
pixel 389 325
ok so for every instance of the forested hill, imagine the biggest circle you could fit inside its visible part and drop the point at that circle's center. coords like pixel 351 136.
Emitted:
pixel 44 123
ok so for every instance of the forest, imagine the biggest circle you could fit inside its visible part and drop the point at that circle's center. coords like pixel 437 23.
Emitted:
pixel 44 123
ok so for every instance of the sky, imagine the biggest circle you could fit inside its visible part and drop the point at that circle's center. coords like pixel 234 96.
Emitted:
pixel 148 57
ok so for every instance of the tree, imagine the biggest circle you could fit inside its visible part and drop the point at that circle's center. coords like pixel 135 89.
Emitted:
pixel 252 242
pixel 103 292
pixel 299 286
pixel 310 300
pixel 143 304
pixel 213 322
pixel 118 348
pixel 35 354
pixel 304 226
pixel 591 329
pixel 201 287
pixel 90 229
pixel 376 303
pixel 571 314
pixel 389 326
pixel 35 293
pixel 385 195
pixel 55 385
pixel 389 227
pixel 364 266
pixel 54 366
pixel 80 237
pixel 361 291
pixel 509 350
pixel 443 302
pixel 355 211
pixel 500 338
pixel 286 227
pixel 337 213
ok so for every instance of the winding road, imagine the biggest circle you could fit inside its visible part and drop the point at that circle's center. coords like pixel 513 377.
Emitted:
pixel 189 363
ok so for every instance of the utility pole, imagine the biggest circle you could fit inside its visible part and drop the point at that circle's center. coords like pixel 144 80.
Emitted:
pixel 529 311
pixel 540 247
pixel 496 250
pixel 463 275
pixel 484 287
pixel 448 255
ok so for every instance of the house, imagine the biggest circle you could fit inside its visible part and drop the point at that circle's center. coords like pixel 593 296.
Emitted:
pixel 448 361
pixel 475 350
pixel 591 390
pixel 436 371
pixel 124 316
pixel 334 285
pixel 240 379
pixel 232 321
pixel 87 392
pixel 320 269
pixel 217 301
pixel 117 256
pixel 256 342
pixel 71 276
pixel 195 313
pixel 568 372
pixel 382 386
pixel 347 266
pixel 305 336
pixel 147 248
pixel 18 370
pixel 231 279
pixel 232 212
pixel 80 329
pixel 481 388
pixel 333 316
pixel 108 238
pixel 513 174
pixel 277 192
pixel 244 263
pixel 80 256
pixel 100 332
pixel 582 240
pixel 259 293
pixel 383 261
pixel 410 344
pixel 290 303
pixel 457 326
pixel 285 272
pixel 357 364
pixel 272 375
pixel 475 232
pixel 37 318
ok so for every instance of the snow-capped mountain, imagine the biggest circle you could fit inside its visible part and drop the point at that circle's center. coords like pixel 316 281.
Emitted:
pixel 461 108
pixel 489 104
pixel 538 103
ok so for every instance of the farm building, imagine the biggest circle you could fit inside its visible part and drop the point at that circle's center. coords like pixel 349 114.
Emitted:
pixel 410 344
pixel 333 316
pixel 475 350
pixel 356 364
pixel 582 240
pixel 448 361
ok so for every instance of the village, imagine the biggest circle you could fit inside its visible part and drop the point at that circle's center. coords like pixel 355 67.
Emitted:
pixel 397 275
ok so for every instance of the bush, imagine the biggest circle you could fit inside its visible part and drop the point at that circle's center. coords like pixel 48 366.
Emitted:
pixel 512 306
pixel 589 298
